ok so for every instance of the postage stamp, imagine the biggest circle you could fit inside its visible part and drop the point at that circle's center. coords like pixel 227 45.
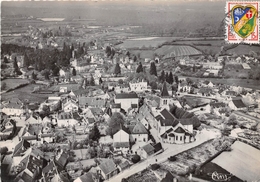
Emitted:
pixel 242 22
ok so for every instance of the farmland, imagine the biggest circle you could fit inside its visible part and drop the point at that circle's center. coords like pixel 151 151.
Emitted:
pixel 177 50
pixel 24 93
pixel 147 42
pixel 14 82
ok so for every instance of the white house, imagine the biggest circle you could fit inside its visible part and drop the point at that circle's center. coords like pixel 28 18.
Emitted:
pixel 67 119
pixel 121 140
pixel 138 86
pixel 70 105
pixel 177 134
pixel 127 100
pixel 13 107
pixel 138 133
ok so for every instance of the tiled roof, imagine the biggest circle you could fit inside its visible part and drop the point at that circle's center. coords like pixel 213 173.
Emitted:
pixel 157 147
pixel 148 148
pixel 116 105
pixel 91 102
pixel 121 144
pixel 217 104
pixel 19 147
pixel 179 130
pixel 124 165
pixel 108 166
pixel 139 129
pixel 126 96
pixel 239 103
pixel 87 177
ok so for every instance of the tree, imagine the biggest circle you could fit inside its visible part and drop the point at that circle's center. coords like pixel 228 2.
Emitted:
pixel 136 158
pixel 189 81
pixel 74 72
pixel 153 70
pixel 55 71
pixel 5 60
pixel 94 134
pixel 3 86
pixel 115 123
pixel 162 76
pixel 139 68
pixel 34 76
pixel 108 51
pixel 167 77
pixel 92 81
pixel 3 150
pixel 100 81
pixel 46 74
pixel 117 70
pixel 170 78
pixel 153 85
pixel 176 79
pixel 16 68
pixel 135 58
pixel 113 52
pixel 26 61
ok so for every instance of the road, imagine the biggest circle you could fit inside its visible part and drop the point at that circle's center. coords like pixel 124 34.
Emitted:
pixel 202 137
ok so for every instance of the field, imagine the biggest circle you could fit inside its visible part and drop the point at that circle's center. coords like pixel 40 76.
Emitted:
pixel 244 49
pixel 177 50
pixel 24 93
pixel 14 82
pixel 146 42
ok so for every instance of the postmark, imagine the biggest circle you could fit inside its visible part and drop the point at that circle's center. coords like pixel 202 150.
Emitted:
pixel 242 22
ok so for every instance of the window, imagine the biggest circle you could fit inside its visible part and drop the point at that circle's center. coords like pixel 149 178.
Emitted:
pixel 176 137
pixel 180 138
pixel 165 102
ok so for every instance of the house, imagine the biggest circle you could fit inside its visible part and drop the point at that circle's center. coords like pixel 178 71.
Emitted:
pixel 68 119
pixel 108 169
pixel 237 104
pixel 78 93
pixel 184 87
pixel 77 78
pixel 70 105
pixel 30 168
pixel 121 140
pixel 88 177
pixel 13 107
pixel 204 91
pixel 138 133
pixel 33 119
pixel 52 173
pixel 19 150
pixel 146 151
pixel 92 102
pixel 138 86
pixel 166 121
pixel 127 100
pixel 123 165
pixel 61 158
pixel 65 73
pixel 7 128
pixel 218 108
pixel 116 107
pixel 165 98
pixel 177 135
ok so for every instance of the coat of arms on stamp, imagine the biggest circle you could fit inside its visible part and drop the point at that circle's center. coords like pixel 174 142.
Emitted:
pixel 242 22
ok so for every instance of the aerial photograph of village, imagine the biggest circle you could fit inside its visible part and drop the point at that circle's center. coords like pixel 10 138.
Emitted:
pixel 126 91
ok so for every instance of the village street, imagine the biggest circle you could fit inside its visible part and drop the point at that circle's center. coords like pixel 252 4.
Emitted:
pixel 172 149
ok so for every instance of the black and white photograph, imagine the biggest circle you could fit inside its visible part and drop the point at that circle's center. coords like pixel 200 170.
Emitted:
pixel 130 91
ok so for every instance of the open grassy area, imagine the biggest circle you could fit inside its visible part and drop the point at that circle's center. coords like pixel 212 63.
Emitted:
pixel 14 82
pixel 24 93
